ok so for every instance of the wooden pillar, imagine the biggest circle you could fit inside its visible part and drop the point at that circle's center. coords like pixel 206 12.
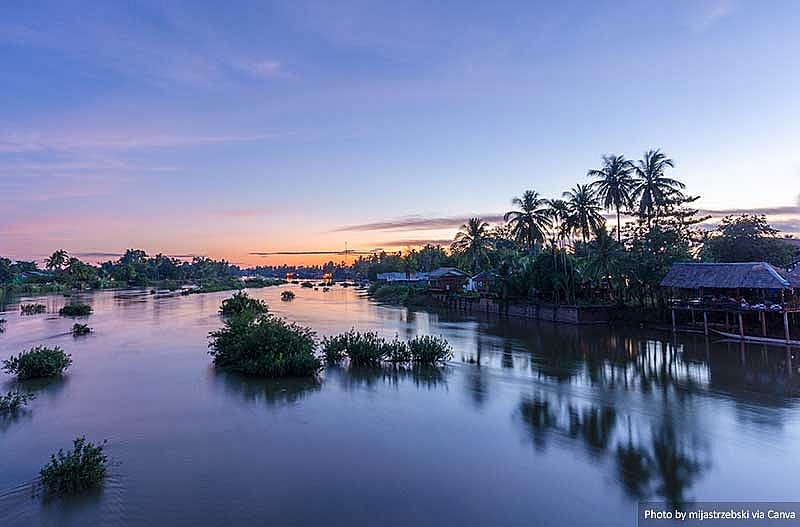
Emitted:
pixel 705 323
pixel 741 325
pixel 692 311
pixel 674 324
pixel 789 361
pixel 763 317
pixel 786 326
pixel 727 323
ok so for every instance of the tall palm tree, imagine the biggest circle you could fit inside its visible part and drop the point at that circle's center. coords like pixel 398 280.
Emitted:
pixel 474 241
pixel 529 223
pixel 57 261
pixel 652 189
pixel 558 212
pixel 614 185
pixel 583 211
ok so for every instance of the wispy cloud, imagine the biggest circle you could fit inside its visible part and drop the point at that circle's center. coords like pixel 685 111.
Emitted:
pixel 65 143
pixel 418 223
pixel 711 12
pixel 415 242
pixel 262 69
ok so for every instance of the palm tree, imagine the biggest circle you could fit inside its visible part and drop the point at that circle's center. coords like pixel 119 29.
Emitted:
pixel 57 260
pixel 614 185
pixel 652 189
pixel 583 211
pixel 558 212
pixel 528 224
pixel 474 241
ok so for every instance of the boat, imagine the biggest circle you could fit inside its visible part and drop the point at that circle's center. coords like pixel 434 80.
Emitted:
pixel 761 340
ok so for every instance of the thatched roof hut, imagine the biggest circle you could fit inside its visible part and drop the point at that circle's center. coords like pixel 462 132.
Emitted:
pixel 750 275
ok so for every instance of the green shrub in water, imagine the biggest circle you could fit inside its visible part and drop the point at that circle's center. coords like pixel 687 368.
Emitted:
pixel 240 304
pixel 363 349
pixel 75 310
pixel 79 330
pixel 32 309
pixel 287 295
pixel 76 470
pixel 13 401
pixel 40 361
pixel 397 351
pixel 267 346
pixel 429 350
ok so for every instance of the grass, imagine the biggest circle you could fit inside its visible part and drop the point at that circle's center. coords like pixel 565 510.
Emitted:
pixel 77 470
pixel 240 304
pixel 369 349
pixel 13 401
pixel 79 330
pixel 37 362
pixel 267 346
pixel 287 295
pixel 75 310
pixel 32 309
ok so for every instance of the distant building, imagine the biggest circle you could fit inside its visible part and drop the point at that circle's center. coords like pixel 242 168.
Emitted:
pixel 447 279
pixel 726 276
pixel 484 283
pixel 402 278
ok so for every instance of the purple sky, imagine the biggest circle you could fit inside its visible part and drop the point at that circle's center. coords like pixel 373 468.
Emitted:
pixel 225 129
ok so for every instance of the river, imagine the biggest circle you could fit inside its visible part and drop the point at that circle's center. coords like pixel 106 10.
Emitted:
pixel 530 423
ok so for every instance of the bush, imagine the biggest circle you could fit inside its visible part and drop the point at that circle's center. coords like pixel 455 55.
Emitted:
pixel 32 309
pixel 267 346
pixel 13 401
pixel 79 330
pixel 363 349
pixel 398 293
pixel 429 350
pixel 240 304
pixel 38 362
pixel 2 325
pixel 368 349
pixel 287 295
pixel 397 351
pixel 76 470
pixel 75 310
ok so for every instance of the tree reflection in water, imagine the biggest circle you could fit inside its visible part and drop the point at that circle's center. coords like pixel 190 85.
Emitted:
pixel 273 392
pixel 652 462
pixel 357 378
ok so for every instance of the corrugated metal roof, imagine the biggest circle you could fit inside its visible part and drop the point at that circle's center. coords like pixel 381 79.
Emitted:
pixel 749 275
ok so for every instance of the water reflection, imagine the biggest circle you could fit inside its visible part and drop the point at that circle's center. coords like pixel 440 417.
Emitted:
pixel 652 459
pixel 359 378
pixel 272 392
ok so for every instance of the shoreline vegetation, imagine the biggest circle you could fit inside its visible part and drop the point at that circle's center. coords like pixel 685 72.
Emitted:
pixel 557 251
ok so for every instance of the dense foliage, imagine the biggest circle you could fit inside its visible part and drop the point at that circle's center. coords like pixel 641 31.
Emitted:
pixel 267 346
pixel 241 304
pixel 40 361
pixel 76 470
pixel 748 238
pixel 75 310
pixel 13 401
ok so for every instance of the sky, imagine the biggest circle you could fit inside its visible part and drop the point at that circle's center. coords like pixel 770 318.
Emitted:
pixel 227 129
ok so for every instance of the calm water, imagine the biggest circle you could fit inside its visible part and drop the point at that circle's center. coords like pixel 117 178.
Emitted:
pixel 529 424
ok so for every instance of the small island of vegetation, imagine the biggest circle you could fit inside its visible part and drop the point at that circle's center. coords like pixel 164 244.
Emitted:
pixel 75 310
pixel 77 470
pixel 40 361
